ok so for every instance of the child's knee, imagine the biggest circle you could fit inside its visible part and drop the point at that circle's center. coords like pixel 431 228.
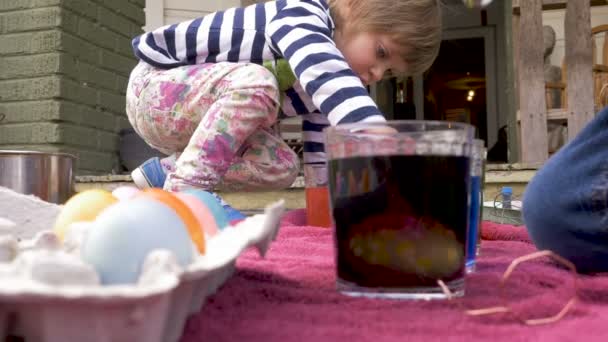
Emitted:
pixel 539 203
pixel 291 170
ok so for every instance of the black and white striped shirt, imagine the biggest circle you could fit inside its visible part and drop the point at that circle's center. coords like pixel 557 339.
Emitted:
pixel 326 92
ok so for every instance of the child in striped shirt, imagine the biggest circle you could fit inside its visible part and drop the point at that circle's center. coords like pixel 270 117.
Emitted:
pixel 208 92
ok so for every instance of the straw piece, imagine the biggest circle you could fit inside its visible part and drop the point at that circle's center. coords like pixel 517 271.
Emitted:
pixel 506 309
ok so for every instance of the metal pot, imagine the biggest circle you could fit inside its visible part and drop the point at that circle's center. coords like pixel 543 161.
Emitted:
pixel 47 175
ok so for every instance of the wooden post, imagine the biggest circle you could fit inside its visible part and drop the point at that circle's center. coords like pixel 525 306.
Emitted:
pixel 577 26
pixel 534 147
pixel 154 14
pixel 511 22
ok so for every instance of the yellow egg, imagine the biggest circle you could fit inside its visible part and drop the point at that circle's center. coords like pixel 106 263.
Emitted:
pixel 84 206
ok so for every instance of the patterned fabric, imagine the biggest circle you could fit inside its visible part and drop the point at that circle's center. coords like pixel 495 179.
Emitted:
pixel 299 31
pixel 216 121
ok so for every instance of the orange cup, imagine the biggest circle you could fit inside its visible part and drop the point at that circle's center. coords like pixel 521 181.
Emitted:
pixel 317 207
pixel 317 195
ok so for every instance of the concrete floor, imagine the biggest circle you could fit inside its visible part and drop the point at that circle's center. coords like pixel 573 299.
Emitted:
pixel 497 176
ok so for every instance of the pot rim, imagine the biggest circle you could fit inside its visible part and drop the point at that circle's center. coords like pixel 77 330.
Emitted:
pixel 35 153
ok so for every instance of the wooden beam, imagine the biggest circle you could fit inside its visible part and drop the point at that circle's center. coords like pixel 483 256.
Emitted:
pixel 515 129
pixel 510 104
pixel 554 114
pixel 579 65
pixel 556 4
pixel 534 147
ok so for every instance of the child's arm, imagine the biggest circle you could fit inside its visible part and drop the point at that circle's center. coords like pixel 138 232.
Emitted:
pixel 301 33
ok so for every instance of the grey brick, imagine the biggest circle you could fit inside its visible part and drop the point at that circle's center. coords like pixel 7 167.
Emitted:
pixel 112 102
pixel 69 21
pixel 56 110
pixel 11 5
pixel 80 48
pixel 94 76
pixel 29 20
pixel 121 84
pixel 122 123
pixel 87 116
pixel 95 162
pixel 31 111
pixel 30 133
pixel 139 3
pixel 107 141
pixel 114 22
pixel 30 89
pixel 89 138
pixel 97 34
pixel 123 47
pixel 136 30
pixel 83 7
pixel 113 61
pixel 30 66
pixel 30 42
pixel 78 92
pixel 78 136
pixel 69 66
pixel 131 11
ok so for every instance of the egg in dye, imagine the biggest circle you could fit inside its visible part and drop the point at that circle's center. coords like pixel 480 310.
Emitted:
pixel 122 236
pixel 84 206
pixel 191 223
pixel 218 211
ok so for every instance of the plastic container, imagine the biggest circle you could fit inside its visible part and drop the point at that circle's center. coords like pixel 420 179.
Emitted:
pixel 507 194
pixel 318 212
pixel 476 203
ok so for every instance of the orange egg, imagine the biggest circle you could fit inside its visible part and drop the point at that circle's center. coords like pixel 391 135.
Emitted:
pixel 183 211
pixel 202 213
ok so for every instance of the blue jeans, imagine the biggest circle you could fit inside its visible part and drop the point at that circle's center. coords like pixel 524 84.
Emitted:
pixel 565 206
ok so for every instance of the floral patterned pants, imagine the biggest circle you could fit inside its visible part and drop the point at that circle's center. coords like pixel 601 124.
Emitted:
pixel 216 123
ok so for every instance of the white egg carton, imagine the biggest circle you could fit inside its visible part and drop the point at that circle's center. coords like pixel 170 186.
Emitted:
pixel 48 294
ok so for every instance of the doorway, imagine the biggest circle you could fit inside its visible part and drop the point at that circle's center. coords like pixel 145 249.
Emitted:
pixel 461 83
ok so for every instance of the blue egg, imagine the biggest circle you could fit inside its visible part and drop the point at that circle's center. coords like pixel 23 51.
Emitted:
pixel 122 236
pixel 214 205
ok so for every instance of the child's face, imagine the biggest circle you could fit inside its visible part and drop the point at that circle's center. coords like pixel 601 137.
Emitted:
pixel 370 55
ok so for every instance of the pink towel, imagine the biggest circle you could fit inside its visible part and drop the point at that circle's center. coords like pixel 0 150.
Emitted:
pixel 290 296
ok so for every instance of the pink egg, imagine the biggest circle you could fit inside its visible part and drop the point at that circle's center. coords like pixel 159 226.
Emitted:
pixel 125 192
pixel 201 212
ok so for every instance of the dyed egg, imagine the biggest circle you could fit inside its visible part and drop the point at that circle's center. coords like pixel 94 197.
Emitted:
pixel 84 206
pixel 125 192
pixel 214 205
pixel 201 212
pixel 183 211
pixel 122 236
pixel 429 251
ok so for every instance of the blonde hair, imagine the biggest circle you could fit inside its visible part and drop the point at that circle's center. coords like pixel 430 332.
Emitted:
pixel 415 25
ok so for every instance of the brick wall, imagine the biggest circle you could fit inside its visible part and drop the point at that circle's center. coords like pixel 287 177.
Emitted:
pixel 64 68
